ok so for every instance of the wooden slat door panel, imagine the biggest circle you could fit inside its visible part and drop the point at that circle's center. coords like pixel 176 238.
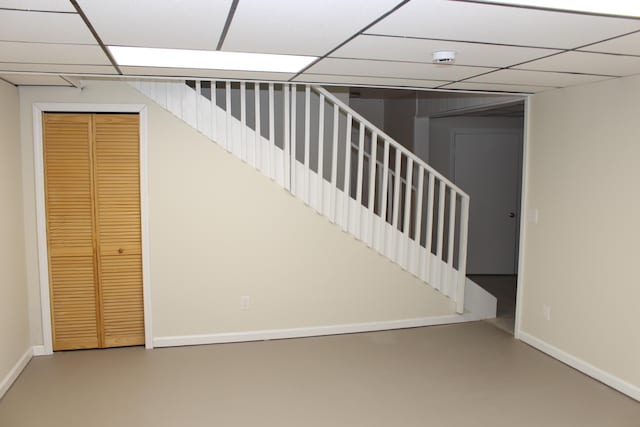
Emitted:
pixel 117 193
pixel 70 230
pixel 92 185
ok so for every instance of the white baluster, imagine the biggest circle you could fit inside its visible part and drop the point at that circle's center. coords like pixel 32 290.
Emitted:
pixel 184 95
pixel 359 179
pixel 451 236
pixel 214 113
pixel 272 142
pixel 346 225
pixel 286 159
pixel 440 241
pixel 243 121
pixel 418 225
pixel 462 254
pixel 197 104
pixel 307 122
pixel 429 239
pixel 396 203
pixel 406 223
pixel 257 149
pixel 294 140
pixel 373 161
pixel 383 198
pixel 227 100
pixel 334 162
pixel 320 188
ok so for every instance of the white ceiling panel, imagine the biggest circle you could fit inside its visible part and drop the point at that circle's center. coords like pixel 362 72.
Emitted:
pixel 180 24
pixel 462 21
pixel 57 68
pixel 48 5
pixel 537 78
pixel 221 74
pixel 493 87
pixel 44 27
pixel 52 53
pixel 303 28
pixel 406 70
pixel 366 81
pixel 585 62
pixel 627 45
pixel 421 50
pixel 35 80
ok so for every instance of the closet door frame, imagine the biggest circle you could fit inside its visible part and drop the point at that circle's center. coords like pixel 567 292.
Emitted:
pixel 43 259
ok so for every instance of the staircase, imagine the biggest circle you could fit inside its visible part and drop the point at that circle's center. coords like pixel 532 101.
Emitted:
pixel 334 160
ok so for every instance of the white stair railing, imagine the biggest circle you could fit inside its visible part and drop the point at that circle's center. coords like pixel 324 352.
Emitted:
pixel 337 162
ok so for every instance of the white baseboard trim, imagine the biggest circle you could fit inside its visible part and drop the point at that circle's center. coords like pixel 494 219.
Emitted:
pixel 582 366
pixel 39 350
pixel 8 380
pixel 315 331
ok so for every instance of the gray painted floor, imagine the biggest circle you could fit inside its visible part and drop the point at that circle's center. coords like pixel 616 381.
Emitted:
pixel 457 375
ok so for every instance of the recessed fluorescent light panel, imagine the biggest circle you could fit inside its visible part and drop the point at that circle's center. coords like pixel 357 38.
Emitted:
pixel 629 8
pixel 208 60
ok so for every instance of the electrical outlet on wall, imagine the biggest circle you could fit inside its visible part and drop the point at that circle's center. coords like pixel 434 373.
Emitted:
pixel 546 311
pixel 245 302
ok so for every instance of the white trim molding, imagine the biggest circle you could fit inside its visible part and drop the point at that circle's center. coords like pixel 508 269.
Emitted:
pixel 604 377
pixel 43 263
pixel 39 350
pixel 17 369
pixel 313 331
pixel 524 220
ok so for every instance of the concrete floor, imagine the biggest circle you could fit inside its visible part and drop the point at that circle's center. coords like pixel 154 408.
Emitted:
pixel 457 375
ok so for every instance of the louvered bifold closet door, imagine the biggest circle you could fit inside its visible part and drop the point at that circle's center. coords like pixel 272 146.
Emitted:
pixel 70 230
pixel 117 193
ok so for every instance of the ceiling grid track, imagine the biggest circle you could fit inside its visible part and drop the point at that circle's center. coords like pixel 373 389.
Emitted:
pixel 380 18
pixel 96 35
pixel 227 24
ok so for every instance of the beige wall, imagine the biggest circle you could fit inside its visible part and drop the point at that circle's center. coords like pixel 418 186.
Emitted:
pixel 14 327
pixel 220 230
pixel 581 257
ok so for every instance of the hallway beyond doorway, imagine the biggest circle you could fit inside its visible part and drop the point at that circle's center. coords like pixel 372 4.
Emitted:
pixel 504 288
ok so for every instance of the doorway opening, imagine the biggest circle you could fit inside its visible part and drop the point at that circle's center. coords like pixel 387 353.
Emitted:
pixel 485 148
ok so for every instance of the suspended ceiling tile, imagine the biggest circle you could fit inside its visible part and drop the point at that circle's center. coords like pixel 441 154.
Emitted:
pixel 219 74
pixel 421 50
pixel 589 63
pixel 196 24
pixel 35 80
pixel 366 81
pixel 48 5
pixel 52 53
pixel 537 78
pixel 57 68
pixel 493 87
pixel 303 28
pixel 627 45
pixel 462 21
pixel 407 70
pixel 44 27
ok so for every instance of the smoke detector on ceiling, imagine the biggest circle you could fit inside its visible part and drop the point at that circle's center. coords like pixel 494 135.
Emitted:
pixel 444 57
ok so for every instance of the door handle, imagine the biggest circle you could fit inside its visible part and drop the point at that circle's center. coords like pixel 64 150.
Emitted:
pixel 512 214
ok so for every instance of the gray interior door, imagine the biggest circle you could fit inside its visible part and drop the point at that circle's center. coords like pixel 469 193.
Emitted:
pixel 487 165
